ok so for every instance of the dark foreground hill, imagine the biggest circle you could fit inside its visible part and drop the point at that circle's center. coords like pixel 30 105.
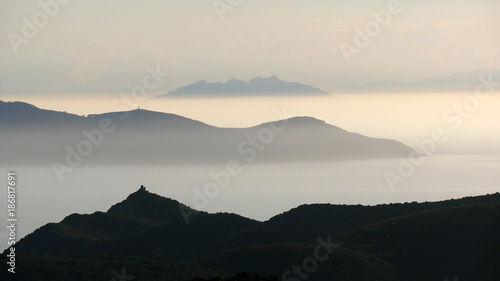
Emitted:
pixel 146 237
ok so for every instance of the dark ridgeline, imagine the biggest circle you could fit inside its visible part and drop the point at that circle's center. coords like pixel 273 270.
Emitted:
pixel 147 235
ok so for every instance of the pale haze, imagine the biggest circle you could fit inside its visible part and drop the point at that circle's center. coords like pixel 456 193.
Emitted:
pixel 419 73
pixel 104 46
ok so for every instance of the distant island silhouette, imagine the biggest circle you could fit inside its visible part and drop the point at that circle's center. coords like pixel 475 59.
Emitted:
pixel 271 86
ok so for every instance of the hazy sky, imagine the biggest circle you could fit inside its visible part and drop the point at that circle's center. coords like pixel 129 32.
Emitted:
pixel 105 46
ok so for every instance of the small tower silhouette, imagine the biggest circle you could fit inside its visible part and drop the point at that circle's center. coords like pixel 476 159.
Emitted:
pixel 143 188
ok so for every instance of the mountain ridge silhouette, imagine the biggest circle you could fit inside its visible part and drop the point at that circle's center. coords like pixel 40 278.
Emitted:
pixel 401 241
pixel 258 86
pixel 165 138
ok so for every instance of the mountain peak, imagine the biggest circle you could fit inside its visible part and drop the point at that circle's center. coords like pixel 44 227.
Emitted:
pixel 301 121
pixel 258 86
pixel 141 191
pixel 270 78
pixel 143 203
pixel 232 81
pixel 306 119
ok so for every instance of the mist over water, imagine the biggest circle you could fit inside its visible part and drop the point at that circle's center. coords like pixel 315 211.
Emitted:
pixel 259 192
